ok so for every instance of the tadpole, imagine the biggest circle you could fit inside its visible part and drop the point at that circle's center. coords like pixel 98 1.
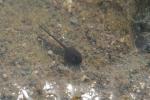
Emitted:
pixel 71 55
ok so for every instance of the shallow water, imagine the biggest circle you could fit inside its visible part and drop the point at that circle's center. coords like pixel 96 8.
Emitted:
pixel 32 63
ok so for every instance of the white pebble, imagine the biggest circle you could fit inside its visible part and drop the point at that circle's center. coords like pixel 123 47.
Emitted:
pixel 50 52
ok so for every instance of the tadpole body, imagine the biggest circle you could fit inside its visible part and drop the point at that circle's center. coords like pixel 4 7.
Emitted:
pixel 71 55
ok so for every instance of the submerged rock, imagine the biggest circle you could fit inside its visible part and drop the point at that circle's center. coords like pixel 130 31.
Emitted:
pixel 141 26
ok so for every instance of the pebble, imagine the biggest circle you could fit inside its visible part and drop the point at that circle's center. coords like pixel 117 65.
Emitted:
pixel 36 72
pixel 50 52
pixel 5 76
pixel 74 20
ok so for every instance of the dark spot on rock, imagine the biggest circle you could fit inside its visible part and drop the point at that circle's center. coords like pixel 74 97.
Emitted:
pixel 147 47
pixel 141 27
pixel 142 44
pixel 139 42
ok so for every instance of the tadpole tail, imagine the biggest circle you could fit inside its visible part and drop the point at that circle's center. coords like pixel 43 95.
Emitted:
pixel 46 30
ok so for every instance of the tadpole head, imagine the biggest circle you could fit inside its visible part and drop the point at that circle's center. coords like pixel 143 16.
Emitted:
pixel 72 56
